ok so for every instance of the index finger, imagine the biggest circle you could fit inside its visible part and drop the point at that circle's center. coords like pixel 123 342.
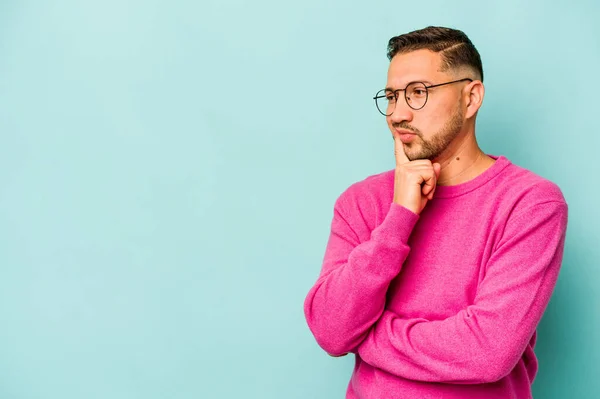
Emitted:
pixel 399 152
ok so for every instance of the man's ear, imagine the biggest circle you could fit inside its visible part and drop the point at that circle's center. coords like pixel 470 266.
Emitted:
pixel 474 93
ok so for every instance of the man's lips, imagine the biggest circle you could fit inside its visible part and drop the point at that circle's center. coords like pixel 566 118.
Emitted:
pixel 405 135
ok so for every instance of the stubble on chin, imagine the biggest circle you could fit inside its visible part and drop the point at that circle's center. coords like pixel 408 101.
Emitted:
pixel 438 143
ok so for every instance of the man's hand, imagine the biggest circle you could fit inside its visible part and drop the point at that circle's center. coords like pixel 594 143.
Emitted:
pixel 414 181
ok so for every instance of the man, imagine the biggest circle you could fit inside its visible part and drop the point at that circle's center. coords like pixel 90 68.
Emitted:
pixel 437 273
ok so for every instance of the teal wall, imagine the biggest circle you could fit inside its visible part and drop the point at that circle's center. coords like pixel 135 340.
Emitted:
pixel 168 172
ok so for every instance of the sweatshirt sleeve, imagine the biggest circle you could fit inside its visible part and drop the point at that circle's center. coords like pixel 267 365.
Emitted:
pixel 485 341
pixel 350 292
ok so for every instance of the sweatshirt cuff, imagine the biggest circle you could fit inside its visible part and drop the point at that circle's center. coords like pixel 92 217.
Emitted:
pixel 396 227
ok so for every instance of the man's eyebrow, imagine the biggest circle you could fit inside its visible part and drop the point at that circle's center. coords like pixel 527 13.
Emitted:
pixel 427 83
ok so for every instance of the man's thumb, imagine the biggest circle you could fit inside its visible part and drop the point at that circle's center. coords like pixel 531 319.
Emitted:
pixel 437 168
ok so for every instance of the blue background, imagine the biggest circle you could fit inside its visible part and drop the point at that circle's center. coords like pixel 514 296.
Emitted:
pixel 168 172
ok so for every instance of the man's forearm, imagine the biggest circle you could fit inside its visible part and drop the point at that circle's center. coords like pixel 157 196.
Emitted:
pixel 349 296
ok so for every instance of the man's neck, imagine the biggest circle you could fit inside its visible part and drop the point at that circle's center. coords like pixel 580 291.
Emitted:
pixel 463 162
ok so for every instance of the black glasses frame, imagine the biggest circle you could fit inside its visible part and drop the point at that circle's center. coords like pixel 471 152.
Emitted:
pixel 385 91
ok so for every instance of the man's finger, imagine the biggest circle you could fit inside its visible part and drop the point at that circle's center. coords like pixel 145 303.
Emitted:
pixel 437 168
pixel 399 153
pixel 429 184
pixel 426 189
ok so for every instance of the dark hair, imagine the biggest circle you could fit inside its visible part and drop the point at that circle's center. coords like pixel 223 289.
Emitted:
pixel 456 48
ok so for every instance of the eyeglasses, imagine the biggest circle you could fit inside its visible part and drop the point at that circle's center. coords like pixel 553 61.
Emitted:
pixel 415 95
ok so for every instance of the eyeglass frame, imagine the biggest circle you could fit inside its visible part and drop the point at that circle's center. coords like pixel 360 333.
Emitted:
pixel 406 99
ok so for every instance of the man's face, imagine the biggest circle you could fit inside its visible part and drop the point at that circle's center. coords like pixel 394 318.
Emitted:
pixel 438 123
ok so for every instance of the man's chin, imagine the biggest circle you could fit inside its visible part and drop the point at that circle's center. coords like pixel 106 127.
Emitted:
pixel 416 155
pixel 415 152
pixel 420 157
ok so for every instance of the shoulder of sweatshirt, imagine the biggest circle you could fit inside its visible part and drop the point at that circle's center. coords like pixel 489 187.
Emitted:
pixel 365 202
pixel 524 188
pixel 378 187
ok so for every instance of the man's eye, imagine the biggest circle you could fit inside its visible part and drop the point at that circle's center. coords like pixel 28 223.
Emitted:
pixel 419 92
pixel 390 97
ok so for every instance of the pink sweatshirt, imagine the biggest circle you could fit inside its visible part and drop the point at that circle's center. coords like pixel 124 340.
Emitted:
pixel 443 304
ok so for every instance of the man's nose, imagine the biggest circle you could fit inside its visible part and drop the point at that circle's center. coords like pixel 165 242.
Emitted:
pixel 402 112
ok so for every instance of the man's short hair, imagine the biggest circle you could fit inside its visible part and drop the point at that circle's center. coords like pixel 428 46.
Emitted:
pixel 455 47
